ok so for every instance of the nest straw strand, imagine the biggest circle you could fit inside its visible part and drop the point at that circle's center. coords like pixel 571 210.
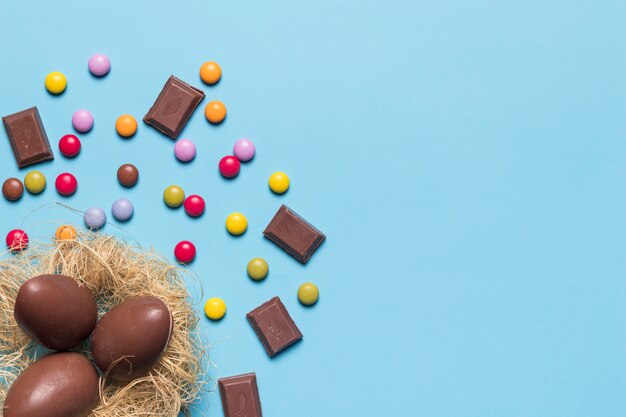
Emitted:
pixel 114 271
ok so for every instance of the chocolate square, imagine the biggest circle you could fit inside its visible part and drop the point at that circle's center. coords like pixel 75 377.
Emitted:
pixel 174 106
pixel 294 234
pixel 240 396
pixel 274 326
pixel 27 137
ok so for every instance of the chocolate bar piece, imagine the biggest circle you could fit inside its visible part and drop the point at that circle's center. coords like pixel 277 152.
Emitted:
pixel 274 327
pixel 174 106
pixel 240 396
pixel 28 137
pixel 294 234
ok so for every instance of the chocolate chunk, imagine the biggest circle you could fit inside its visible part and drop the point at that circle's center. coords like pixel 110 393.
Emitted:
pixel 240 396
pixel 28 137
pixel 128 175
pixel 12 189
pixel 294 234
pixel 274 326
pixel 173 108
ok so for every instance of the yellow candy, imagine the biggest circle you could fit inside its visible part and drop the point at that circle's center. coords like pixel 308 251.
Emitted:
pixel 308 293
pixel 279 182
pixel 174 196
pixel 210 73
pixel 258 269
pixel 65 232
pixel 56 82
pixel 215 308
pixel 236 223
pixel 35 182
pixel 126 125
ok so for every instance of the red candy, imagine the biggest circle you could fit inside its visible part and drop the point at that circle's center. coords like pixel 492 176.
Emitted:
pixel 66 184
pixel 185 251
pixel 194 205
pixel 69 145
pixel 17 240
pixel 229 166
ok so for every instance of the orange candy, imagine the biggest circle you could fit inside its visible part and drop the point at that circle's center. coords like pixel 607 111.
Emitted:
pixel 210 72
pixel 65 232
pixel 126 125
pixel 215 112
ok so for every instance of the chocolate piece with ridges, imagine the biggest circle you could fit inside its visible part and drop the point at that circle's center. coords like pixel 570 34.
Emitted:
pixel 27 137
pixel 294 234
pixel 274 326
pixel 240 396
pixel 174 106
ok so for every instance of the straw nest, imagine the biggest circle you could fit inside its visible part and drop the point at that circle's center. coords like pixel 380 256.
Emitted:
pixel 114 271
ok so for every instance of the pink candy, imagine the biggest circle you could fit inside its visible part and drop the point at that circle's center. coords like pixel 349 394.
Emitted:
pixel 244 150
pixel 184 150
pixel 99 65
pixel 82 121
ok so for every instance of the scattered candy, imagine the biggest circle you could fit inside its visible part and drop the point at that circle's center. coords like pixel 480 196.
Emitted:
pixel 215 112
pixel 69 145
pixel 126 125
pixel 185 251
pixel 127 175
pixel 122 209
pixel 94 218
pixel 244 150
pixel 27 137
pixel 184 150
pixel 17 240
pixel 258 269
pixel 66 184
pixel 99 65
pixel 229 166
pixel 215 308
pixel 35 182
pixel 173 196
pixel 293 234
pixel 82 121
pixel 308 294
pixel 272 318
pixel 236 224
pixel 279 182
pixel 194 205
pixel 210 73
pixel 56 83
pixel 65 232
pixel 12 189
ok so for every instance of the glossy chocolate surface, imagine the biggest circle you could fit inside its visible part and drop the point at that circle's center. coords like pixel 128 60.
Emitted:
pixel 240 396
pixel 294 234
pixel 27 137
pixel 12 189
pixel 274 326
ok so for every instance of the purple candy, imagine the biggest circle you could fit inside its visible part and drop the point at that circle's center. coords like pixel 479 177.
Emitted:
pixel 244 150
pixel 82 121
pixel 94 218
pixel 122 209
pixel 184 150
pixel 99 65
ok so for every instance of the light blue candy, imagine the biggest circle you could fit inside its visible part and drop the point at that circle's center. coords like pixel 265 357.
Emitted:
pixel 122 209
pixel 94 218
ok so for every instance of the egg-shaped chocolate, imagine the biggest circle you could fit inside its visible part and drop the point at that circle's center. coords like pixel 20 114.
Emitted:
pixel 56 311
pixel 62 384
pixel 129 339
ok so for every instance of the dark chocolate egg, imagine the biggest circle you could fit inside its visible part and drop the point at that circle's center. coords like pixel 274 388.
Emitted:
pixel 63 384
pixel 56 311
pixel 129 339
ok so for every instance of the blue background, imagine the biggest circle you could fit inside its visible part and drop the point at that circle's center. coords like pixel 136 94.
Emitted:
pixel 465 159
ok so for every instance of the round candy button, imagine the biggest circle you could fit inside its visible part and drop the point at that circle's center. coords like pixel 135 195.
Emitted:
pixel 308 293
pixel 194 205
pixel 215 308
pixel 94 218
pixel 17 240
pixel 229 166
pixel 66 184
pixel 258 269
pixel 65 232
pixel 99 65
pixel 244 150
pixel 69 145
pixel 12 189
pixel 173 196
pixel 279 182
pixel 184 150
pixel 215 112
pixel 35 182
pixel 126 125
pixel 236 224
pixel 185 252
pixel 56 83
pixel 127 175
pixel 82 120
pixel 122 209
pixel 210 72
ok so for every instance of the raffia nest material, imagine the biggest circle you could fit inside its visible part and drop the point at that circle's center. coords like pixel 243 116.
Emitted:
pixel 114 271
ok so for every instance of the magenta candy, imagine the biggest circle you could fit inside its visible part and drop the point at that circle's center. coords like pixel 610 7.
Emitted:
pixel 184 150
pixel 82 121
pixel 244 150
pixel 99 65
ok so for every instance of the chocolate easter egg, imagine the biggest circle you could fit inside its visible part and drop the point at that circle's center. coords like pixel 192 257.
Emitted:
pixel 56 311
pixel 63 384
pixel 129 339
